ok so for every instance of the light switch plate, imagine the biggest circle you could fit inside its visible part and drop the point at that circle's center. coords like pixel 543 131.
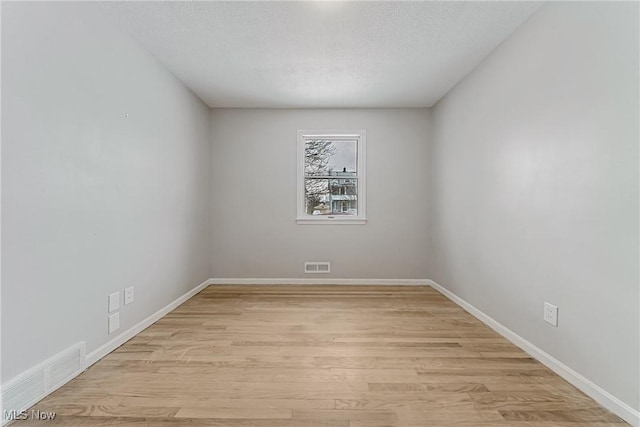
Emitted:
pixel 114 301
pixel 114 322
pixel 550 314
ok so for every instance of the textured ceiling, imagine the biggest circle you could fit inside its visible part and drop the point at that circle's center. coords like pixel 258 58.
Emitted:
pixel 320 54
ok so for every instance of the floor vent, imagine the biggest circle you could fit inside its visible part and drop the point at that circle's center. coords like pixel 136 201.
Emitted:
pixel 317 267
pixel 33 385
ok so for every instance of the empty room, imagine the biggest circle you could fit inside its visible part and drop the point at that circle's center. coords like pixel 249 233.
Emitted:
pixel 320 213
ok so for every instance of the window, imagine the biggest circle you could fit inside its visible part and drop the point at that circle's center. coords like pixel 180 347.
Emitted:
pixel 331 177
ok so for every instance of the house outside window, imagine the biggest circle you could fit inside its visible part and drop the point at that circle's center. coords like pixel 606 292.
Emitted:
pixel 331 177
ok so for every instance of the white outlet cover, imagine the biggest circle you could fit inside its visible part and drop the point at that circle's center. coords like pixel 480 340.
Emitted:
pixel 550 314
pixel 114 322
pixel 114 301
pixel 129 295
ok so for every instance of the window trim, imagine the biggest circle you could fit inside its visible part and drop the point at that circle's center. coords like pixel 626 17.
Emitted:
pixel 302 217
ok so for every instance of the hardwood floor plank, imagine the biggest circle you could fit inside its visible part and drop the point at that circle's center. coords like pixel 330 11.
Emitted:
pixel 427 387
pixel 346 414
pixel 575 416
pixel 237 413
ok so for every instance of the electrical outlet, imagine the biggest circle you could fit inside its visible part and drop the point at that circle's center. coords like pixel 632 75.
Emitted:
pixel 550 314
pixel 114 322
pixel 114 301
pixel 129 295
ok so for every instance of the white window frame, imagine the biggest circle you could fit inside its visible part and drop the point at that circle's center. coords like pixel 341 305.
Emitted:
pixel 360 136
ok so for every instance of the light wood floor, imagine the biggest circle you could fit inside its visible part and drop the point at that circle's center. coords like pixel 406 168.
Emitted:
pixel 330 356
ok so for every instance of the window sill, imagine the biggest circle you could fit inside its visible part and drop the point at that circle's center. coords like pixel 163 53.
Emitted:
pixel 336 221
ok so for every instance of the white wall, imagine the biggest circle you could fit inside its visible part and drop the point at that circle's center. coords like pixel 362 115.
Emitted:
pixel 254 196
pixel 535 188
pixel 92 201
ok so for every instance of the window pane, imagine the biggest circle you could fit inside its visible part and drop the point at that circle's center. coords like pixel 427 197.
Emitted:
pixel 325 157
pixel 335 196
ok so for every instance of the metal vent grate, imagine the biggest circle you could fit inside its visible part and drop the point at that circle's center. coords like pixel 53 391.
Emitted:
pixel 62 369
pixel 31 386
pixel 317 267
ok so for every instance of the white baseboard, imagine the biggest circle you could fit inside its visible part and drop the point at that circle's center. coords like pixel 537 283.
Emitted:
pixel 319 281
pixel 594 391
pixel 125 336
